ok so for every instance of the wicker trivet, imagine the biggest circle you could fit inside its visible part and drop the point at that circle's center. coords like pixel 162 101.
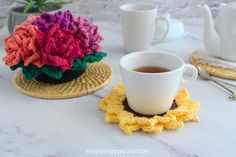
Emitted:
pixel 183 110
pixel 214 66
pixel 96 76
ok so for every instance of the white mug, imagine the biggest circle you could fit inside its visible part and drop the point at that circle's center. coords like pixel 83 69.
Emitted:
pixel 153 93
pixel 138 26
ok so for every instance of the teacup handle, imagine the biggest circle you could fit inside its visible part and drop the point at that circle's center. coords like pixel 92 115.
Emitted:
pixel 162 18
pixel 194 73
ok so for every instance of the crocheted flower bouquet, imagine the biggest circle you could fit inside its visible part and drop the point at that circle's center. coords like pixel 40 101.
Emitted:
pixel 53 48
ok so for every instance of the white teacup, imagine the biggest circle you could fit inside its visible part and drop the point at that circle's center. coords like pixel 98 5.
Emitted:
pixel 138 26
pixel 153 93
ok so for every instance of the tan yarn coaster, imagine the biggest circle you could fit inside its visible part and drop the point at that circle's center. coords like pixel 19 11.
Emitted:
pixel 112 104
pixel 96 76
pixel 214 66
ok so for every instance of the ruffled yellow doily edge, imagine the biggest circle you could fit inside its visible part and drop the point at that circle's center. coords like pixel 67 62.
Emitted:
pixel 112 104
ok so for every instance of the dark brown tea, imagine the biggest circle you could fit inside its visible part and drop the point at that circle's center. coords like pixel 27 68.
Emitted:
pixel 151 69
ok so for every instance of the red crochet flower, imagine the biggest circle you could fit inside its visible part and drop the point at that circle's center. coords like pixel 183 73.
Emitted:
pixel 59 47
pixel 88 34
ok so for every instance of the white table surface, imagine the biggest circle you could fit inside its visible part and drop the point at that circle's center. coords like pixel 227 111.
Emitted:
pixel 31 127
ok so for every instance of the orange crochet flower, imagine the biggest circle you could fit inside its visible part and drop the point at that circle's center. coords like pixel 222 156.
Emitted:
pixel 22 46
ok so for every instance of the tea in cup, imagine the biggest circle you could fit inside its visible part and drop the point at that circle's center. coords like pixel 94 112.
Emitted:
pixel 152 79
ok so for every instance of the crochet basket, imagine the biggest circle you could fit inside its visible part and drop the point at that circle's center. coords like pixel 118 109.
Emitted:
pixel 68 75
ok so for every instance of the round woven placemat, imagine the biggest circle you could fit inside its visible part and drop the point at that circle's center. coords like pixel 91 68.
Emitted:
pixel 214 66
pixel 96 76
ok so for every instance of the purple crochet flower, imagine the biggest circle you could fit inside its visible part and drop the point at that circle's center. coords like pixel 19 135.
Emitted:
pixel 63 19
pixel 84 30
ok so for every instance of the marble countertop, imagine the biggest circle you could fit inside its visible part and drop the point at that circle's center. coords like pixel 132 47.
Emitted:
pixel 31 127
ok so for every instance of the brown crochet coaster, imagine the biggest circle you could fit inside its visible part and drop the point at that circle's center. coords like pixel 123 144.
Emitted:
pixel 214 66
pixel 96 76
pixel 117 111
pixel 136 114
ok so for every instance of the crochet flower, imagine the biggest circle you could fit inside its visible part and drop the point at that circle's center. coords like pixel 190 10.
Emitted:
pixel 31 19
pixel 112 104
pixel 64 20
pixel 59 47
pixel 51 44
pixel 22 46
pixel 88 34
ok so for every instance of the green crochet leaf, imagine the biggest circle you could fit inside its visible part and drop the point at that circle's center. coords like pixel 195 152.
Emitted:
pixel 16 66
pixel 52 71
pixel 95 57
pixel 31 71
pixel 79 64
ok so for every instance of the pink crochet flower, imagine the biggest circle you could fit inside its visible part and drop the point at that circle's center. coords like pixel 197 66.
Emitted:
pixel 59 47
pixel 88 34
pixel 22 46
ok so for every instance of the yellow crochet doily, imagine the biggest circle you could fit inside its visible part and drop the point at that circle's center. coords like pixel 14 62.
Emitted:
pixel 112 104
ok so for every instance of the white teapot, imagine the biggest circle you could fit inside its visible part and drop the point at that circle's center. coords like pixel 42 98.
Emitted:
pixel 220 35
